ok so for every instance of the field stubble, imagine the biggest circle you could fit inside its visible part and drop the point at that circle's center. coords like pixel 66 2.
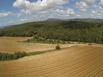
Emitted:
pixel 76 61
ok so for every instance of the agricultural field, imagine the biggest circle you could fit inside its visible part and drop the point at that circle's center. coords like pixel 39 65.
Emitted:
pixel 76 61
pixel 51 38
pixel 15 44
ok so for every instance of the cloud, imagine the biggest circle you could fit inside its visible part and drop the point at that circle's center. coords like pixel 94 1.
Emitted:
pixel 4 14
pixel 44 9
pixel 82 6
pixel 101 2
pixel 89 1
pixel 98 11
pixel 38 5
pixel 23 19
pixel 68 12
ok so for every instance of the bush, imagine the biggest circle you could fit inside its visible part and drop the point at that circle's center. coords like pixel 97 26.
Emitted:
pixel 58 47
pixel 7 56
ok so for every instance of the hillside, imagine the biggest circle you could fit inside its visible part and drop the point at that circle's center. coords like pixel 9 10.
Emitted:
pixel 77 61
pixel 86 30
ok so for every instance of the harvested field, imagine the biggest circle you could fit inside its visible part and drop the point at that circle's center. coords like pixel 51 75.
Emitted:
pixel 15 44
pixel 76 61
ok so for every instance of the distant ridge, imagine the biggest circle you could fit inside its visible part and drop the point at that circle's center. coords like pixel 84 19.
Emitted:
pixel 82 30
pixel 59 20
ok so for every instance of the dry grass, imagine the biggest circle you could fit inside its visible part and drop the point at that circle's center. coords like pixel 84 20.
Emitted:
pixel 14 44
pixel 77 61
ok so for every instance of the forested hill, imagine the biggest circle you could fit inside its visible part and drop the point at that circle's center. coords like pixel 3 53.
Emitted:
pixel 68 30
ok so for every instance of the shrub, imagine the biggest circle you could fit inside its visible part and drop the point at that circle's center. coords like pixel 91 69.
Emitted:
pixel 58 47
pixel 8 56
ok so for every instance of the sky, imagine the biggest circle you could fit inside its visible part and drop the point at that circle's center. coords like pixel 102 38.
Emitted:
pixel 21 11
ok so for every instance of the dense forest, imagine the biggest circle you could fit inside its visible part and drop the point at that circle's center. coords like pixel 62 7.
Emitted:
pixel 66 30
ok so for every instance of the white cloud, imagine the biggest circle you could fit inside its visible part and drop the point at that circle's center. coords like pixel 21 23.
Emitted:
pixel 97 11
pixel 89 1
pixel 38 5
pixel 23 19
pixel 60 11
pixel 82 6
pixel 4 14
pixel 101 2
pixel 68 12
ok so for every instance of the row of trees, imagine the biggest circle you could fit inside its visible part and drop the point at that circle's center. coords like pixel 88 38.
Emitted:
pixel 8 56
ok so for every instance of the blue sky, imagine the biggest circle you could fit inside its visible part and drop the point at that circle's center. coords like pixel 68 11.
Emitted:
pixel 20 11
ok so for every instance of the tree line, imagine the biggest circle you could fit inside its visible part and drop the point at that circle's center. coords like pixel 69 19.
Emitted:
pixel 80 31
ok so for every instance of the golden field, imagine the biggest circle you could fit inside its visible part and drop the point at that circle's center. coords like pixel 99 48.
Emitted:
pixel 15 44
pixel 75 61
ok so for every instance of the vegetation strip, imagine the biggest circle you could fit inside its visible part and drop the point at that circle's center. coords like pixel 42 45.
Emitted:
pixel 17 55
pixel 8 56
